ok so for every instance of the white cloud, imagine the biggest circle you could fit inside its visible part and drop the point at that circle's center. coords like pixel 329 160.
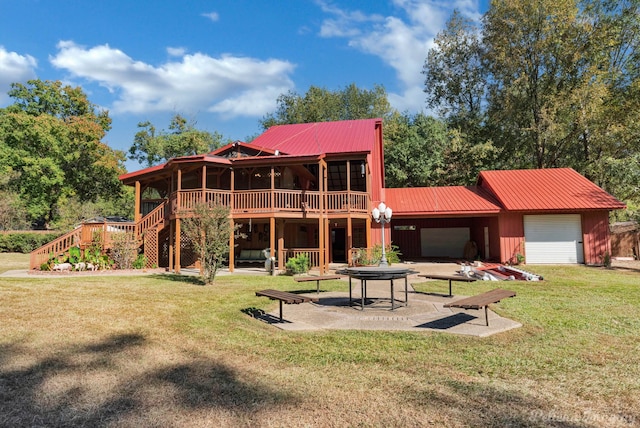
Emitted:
pixel 14 68
pixel 195 82
pixel 213 16
pixel 176 51
pixel 401 41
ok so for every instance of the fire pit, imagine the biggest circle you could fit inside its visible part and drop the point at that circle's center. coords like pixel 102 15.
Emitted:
pixel 377 273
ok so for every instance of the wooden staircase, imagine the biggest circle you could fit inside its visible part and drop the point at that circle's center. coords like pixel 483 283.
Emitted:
pixel 145 232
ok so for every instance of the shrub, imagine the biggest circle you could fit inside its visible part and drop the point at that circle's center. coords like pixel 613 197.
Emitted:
pixel 372 256
pixel 299 264
pixel 24 242
pixel 140 262
pixel 124 250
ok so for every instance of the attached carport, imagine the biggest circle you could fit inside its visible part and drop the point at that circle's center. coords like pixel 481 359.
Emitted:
pixel 444 222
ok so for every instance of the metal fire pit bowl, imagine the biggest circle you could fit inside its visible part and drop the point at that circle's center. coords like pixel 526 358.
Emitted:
pixel 376 273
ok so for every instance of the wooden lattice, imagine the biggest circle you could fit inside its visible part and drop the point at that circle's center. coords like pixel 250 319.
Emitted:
pixel 151 247
pixel 188 256
pixel 163 247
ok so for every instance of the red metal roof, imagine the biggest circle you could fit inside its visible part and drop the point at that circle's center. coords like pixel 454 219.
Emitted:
pixel 321 137
pixel 546 189
pixel 453 200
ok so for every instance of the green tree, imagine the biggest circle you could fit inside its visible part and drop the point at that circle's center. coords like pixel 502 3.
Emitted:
pixel 209 229
pixel 50 138
pixel 413 152
pixel 455 77
pixel 546 83
pixel 323 105
pixel 183 139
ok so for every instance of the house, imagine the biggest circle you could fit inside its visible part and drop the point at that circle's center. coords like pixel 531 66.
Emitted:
pixel 311 187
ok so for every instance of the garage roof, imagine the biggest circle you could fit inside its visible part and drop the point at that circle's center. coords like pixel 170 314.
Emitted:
pixel 452 200
pixel 546 189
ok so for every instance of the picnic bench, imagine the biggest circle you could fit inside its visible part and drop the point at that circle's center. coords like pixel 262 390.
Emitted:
pixel 317 279
pixel 285 296
pixel 449 278
pixel 482 300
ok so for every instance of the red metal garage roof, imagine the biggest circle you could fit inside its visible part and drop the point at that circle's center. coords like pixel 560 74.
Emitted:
pixel 546 189
pixel 453 200
pixel 345 136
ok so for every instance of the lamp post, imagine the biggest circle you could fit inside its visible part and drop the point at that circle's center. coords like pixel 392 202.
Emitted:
pixel 382 215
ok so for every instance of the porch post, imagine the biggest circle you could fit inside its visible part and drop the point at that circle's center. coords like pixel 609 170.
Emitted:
pixel 349 238
pixel 232 253
pixel 272 238
pixel 136 210
pixel 172 240
pixel 321 234
pixel 177 245
pixel 204 182
pixel 280 234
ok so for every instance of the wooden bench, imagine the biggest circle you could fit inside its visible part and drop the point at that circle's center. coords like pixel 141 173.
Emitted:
pixel 284 296
pixel 317 279
pixel 482 300
pixel 449 278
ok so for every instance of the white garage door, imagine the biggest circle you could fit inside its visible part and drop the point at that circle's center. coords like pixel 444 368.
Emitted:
pixel 555 238
pixel 444 241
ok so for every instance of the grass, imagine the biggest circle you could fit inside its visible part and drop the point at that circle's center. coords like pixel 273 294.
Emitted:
pixel 163 351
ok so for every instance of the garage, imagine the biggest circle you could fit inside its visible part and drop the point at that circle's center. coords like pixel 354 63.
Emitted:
pixel 444 241
pixel 553 239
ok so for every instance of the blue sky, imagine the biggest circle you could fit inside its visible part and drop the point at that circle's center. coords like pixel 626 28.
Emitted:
pixel 221 64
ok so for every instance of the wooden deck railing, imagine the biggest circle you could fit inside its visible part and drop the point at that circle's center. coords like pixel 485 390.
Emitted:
pixel 153 219
pixel 86 233
pixel 271 201
pixel 56 247
pixel 313 253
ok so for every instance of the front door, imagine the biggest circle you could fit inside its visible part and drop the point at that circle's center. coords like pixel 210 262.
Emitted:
pixel 338 245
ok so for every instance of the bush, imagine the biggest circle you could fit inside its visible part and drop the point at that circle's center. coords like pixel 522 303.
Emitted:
pixel 24 242
pixel 366 257
pixel 299 264
pixel 124 250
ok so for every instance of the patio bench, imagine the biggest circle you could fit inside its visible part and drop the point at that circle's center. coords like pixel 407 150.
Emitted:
pixel 482 300
pixel 286 297
pixel 449 278
pixel 317 279
pixel 251 256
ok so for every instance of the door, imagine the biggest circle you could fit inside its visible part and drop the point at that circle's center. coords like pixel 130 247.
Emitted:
pixel 338 245
pixel 553 238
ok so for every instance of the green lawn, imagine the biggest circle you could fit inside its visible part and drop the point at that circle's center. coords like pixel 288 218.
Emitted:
pixel 165 351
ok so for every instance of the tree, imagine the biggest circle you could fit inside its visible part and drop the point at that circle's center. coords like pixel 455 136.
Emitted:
pixel 209 229
pixel 182 139
pixel 414 147
pixel 323 105
pixel 557 86
pixel 456 78
pixel 50 138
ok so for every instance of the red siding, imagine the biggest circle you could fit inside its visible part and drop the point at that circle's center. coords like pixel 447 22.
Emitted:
pixel 511 231
pixel 595 231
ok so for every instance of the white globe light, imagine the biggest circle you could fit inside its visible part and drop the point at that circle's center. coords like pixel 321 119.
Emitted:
pixel 376 214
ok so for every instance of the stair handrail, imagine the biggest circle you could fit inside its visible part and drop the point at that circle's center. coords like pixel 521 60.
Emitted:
pixel 152 219
pixel 58 246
